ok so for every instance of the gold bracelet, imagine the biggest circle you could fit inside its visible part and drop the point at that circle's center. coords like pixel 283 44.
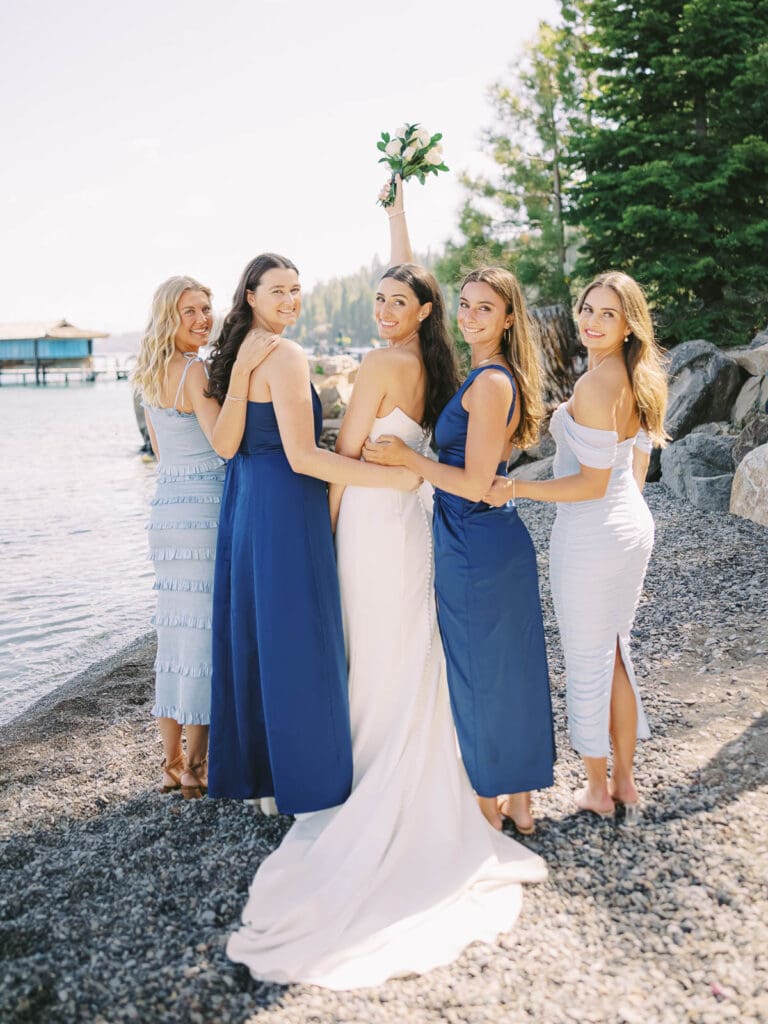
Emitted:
pixel 400 213
pixel 236 398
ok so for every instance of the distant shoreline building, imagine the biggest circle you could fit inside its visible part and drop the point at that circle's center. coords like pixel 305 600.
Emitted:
pixel 41 346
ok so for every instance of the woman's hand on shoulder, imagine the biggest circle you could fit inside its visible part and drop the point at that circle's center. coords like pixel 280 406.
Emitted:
pixel 256 346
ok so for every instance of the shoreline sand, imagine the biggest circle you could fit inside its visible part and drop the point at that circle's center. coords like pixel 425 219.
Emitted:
pixel 117 901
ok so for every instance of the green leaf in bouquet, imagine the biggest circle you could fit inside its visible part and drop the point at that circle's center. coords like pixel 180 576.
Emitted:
pixel 381 146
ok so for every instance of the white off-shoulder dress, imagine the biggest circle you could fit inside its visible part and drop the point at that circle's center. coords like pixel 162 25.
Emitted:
pixel 599 552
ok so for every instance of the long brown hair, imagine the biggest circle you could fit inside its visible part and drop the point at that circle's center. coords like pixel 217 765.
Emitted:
pixel 644 359
pixel 519 346
pixel 238 322
pixel 437 349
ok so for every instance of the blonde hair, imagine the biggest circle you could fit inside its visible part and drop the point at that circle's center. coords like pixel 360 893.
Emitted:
pixel 519 346
pixel 646 364
pixel 157 344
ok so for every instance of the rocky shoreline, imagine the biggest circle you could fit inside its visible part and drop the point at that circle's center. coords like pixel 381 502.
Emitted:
pixel 116 902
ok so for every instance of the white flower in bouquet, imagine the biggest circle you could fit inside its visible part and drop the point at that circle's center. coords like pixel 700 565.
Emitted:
pixel 412 152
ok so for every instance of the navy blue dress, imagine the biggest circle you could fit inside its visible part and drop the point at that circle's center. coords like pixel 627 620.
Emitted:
pixel 489 612
pixel 279 703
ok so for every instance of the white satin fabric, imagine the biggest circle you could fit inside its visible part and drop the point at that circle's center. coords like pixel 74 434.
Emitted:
pixel 599 552
pixel 407 872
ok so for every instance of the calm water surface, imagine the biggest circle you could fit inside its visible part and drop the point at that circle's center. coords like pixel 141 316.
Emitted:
pixel 74 493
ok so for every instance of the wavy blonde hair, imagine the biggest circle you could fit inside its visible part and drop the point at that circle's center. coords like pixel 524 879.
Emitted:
pixel 157 343
pixel 646 363
pixel 519 346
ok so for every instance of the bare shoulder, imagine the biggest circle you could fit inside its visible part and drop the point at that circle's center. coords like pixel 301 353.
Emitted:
pixel 390 363
pixel 492 385
pixel 288 354
pixel 197 377
pixel 597 395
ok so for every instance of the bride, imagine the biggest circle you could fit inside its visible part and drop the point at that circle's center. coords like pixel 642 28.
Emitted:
pixel 406 873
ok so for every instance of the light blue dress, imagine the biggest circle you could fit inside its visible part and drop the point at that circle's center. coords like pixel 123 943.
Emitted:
pixel 183 526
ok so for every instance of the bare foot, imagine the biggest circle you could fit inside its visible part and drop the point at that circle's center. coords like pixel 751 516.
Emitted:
pixel 517 807
pixel 489 807
pixel 596 803
pixel 624 792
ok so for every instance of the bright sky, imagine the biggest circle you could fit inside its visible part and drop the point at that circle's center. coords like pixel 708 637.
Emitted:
pixel 160 137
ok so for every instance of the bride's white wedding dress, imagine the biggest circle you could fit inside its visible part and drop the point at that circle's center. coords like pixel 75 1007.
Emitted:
pixel 407 872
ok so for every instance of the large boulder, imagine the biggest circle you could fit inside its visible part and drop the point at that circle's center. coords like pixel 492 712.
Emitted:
pixel 334 394
pixel 713 429
pixel 699 467
pixel 753 359
pixel 760 339
pixel 543 448
pixel 749 495
pixel 329 366
pixel 752 399
pixel 703 385
pixel 754 434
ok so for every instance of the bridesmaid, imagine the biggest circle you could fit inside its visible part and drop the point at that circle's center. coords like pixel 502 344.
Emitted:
pixel 171 378
pixel 279 708
pixel 485 564
pixel 603 532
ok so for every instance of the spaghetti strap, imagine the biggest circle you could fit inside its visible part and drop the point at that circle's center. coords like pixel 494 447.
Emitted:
pixel 494 366
pixel 190 357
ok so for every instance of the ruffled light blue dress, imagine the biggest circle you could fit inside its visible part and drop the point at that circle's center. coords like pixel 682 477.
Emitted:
pixel 279 708
pixel 599 552
pixel 490 622
pixel 183 526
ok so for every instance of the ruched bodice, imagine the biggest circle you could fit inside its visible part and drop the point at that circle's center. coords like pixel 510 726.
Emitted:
pixel 599 449
pixel 262 435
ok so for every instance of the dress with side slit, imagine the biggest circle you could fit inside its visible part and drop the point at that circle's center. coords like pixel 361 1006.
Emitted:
pixel 599 552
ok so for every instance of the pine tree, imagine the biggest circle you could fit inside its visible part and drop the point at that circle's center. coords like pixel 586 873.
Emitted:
pixel 673 157
pixel 515 217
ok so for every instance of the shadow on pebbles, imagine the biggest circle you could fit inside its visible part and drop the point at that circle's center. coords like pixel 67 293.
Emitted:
pixel 116 901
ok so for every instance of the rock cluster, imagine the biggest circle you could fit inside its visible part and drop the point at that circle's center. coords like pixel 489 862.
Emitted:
pixel 333 377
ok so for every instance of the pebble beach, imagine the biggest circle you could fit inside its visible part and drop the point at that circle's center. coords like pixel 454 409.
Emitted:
pixel 116 902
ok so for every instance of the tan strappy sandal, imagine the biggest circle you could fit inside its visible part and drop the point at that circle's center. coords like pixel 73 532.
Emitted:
pixel 173 771
pixel 198 789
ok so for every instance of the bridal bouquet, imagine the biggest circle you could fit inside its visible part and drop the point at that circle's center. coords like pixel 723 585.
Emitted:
pixel 412 153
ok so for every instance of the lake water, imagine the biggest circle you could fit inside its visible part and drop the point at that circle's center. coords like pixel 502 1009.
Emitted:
pixel 74 493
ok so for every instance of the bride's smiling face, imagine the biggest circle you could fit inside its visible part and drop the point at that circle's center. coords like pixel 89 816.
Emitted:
pixel 397 310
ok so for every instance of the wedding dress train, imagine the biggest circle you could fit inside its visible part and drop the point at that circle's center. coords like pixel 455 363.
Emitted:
pixel 406 873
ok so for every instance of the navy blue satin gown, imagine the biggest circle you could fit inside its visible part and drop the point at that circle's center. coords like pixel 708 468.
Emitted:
pixel 489 613
pixel 279 704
